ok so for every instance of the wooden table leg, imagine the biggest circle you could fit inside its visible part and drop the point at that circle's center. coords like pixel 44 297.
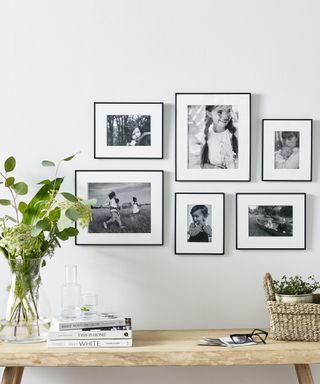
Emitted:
pixel 12 375
pixel 304 374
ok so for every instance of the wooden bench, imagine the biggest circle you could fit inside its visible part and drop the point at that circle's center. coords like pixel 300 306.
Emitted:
pixel 161 348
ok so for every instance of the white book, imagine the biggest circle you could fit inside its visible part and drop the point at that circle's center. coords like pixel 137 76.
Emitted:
pixel 94 343
pixel 55 334
pixel 96 322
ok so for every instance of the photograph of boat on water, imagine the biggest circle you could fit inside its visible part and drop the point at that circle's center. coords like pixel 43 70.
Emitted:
pixel 271 221
pixel 268 220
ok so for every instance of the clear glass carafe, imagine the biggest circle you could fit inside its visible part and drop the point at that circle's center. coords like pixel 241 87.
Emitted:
pixel 71 294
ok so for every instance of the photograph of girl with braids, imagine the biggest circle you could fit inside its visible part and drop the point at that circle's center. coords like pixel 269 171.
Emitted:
pixel 213 136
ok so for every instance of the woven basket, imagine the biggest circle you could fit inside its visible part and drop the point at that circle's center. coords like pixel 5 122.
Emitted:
pixel 299 322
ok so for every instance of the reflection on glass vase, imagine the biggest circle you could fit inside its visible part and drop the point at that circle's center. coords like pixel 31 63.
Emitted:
pixel 28 311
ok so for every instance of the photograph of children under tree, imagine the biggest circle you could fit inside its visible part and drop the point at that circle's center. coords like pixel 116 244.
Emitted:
pixel 131 130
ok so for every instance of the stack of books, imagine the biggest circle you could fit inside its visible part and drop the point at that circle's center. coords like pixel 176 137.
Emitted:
pixel 98 332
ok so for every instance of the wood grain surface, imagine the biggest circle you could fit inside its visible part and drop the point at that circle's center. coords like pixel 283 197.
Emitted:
pixel 12 375
pixel 163 348
pixel 304 374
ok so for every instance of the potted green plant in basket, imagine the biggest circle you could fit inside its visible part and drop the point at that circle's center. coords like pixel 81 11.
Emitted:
pixel 28 238
pixel 294 289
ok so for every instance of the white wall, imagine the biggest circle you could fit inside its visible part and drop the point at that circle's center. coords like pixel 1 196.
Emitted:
pixel 58 57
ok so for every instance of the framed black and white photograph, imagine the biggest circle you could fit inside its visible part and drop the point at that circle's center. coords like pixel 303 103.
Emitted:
pixel 287 150
pixel 213 136
pixel 271 221
pixel 128 209
pixel 199 223
pixel 128 130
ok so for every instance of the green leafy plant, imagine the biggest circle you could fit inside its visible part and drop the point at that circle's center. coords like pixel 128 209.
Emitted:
pixel 295 285
pixel 33 232
pixel 85 308
pixel 37 227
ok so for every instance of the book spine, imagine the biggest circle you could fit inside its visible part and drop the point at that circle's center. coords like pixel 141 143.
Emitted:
pixel 93 343
pixel 85 335
pixel 91 324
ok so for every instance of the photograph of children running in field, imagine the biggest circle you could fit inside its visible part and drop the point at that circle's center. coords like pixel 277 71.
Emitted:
pixel 117 209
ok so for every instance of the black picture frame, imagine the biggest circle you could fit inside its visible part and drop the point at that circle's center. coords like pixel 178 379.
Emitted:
pixel 159 190
pixel 303 195
pixel 308 177
pixel 222 226
pixel 158 148
pixel 181 179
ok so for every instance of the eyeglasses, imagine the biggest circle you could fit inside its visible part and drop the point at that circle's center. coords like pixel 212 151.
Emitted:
pixel 257 336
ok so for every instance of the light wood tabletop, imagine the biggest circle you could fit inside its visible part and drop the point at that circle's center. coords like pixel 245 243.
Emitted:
pixel 162 348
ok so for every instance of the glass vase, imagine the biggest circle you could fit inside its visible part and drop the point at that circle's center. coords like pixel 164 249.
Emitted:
pixel 28 312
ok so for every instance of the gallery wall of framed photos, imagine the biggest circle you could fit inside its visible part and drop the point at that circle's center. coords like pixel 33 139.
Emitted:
pixel 212 144
pixel 62 57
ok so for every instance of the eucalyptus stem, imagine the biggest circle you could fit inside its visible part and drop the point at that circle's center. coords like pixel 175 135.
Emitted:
pixel 16 325
pixel 53 193
pixel 36 310
pixel 15 207
pixel 14 311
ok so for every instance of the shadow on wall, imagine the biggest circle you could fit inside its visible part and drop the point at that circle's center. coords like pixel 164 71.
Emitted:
pixel 168 375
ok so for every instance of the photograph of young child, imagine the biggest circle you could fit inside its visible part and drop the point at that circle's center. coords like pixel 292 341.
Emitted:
pixel 286 150
pixel 199 223
pixel 213 136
